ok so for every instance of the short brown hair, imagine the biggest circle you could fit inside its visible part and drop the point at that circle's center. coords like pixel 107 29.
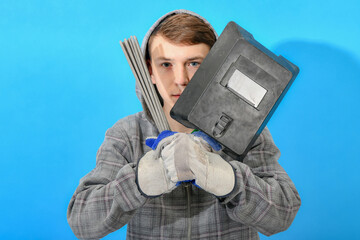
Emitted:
pixel 185 29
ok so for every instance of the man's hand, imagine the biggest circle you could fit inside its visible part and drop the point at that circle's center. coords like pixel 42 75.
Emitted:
pixel 154 176
pixel 181 157
pixel 195 160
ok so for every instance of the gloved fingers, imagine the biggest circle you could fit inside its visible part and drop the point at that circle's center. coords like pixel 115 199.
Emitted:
pixel 169 140
pixel 167 155
pixel 182 157
pixel 212 173
pixel 176 157
pixel 151 177
pixel 153 142
pixel 198 162
pixel 212 142
pixel 221 176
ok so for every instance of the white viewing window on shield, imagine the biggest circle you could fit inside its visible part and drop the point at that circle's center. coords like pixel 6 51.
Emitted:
pixel 246 87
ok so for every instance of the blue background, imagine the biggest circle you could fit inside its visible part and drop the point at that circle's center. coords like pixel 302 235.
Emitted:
pixel 64 80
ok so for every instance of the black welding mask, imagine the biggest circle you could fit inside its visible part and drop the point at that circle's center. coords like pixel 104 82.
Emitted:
pixel 235 91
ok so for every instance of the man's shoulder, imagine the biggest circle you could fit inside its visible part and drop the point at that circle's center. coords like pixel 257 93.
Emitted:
pixel 131 125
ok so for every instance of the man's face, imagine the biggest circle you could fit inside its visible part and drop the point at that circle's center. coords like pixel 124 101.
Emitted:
pixel 172 66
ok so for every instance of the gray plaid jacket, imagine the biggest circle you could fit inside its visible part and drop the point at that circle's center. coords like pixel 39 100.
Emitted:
pixel 264 200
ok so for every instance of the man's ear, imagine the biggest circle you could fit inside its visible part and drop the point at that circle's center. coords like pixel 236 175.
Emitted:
pixel 148 63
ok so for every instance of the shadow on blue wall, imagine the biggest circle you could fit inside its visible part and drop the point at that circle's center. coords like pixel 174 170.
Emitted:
pixel 316 129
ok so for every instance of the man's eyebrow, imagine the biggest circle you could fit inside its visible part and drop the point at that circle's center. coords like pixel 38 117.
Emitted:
pixel 162 59
pixel 196 58
pixel 188 59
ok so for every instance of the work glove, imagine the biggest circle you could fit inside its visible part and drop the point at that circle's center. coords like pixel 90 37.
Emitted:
pixel 195 160
pixel 174 155
pixel 152 175
pixel 180 157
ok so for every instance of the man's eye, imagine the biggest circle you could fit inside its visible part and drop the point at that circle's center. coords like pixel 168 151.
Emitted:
pixel 166 64
pixel 194 64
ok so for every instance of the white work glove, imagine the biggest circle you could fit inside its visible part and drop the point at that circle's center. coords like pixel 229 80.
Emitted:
pixel 193 160
pixel 154 176
pixel 180 157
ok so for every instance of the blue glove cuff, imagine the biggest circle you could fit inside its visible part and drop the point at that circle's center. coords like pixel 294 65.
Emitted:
pixel 153 142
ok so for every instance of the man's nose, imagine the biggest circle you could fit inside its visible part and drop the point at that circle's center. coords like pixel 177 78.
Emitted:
pixel 181 76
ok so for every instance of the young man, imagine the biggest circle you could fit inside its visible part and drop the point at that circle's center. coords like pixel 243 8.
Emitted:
pixel 235 200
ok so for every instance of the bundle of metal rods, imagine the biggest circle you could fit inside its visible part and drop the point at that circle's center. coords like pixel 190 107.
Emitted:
pixel 138 66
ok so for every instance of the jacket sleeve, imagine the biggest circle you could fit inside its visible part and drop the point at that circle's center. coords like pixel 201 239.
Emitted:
pixel 108 196
pixel 264 196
